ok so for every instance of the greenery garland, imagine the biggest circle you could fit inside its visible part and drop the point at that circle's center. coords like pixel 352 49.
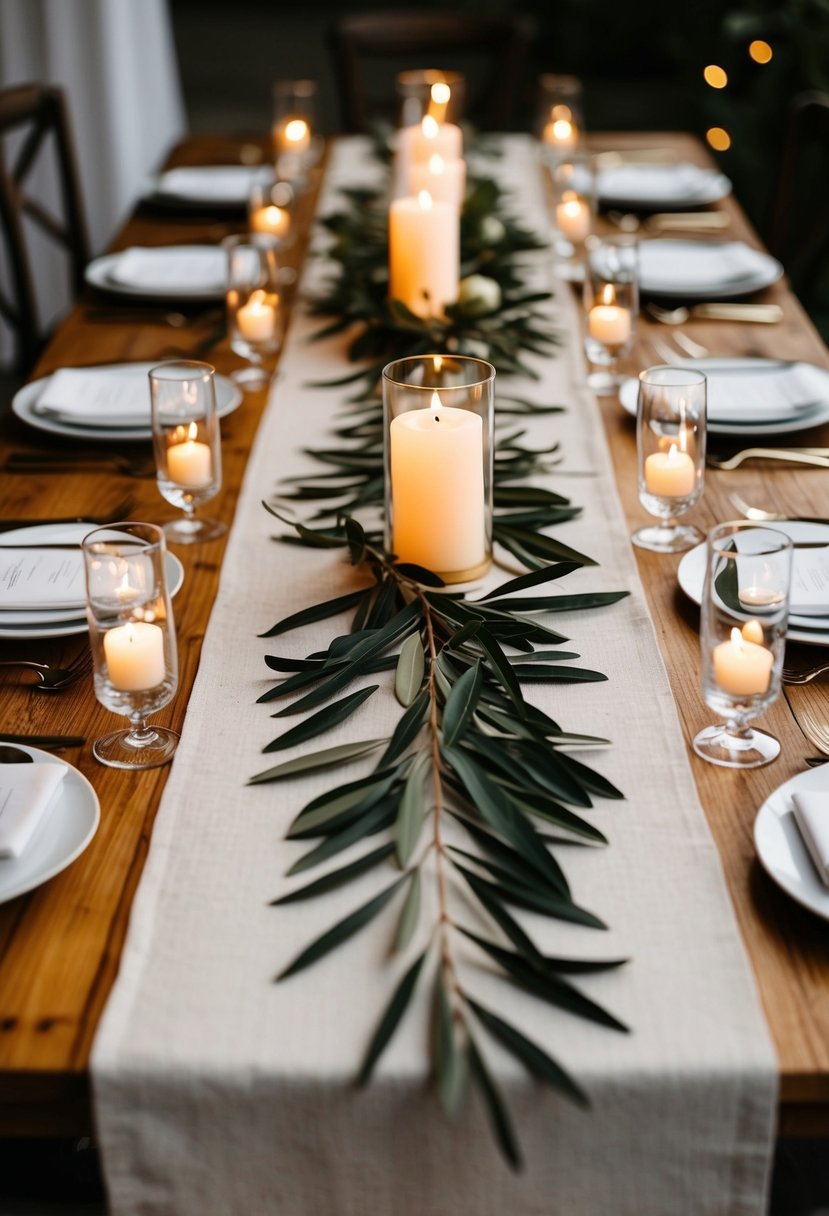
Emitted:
pixel 471 768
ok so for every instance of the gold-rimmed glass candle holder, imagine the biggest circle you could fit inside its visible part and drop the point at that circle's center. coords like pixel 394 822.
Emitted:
pixel 295 138
pixel 560 115
pixel 611 305
pixel 671 415
pixel 133 640
pixel 187 446
pixel 254 306
pixel 271 211
pixel 743 618
pixel 438 415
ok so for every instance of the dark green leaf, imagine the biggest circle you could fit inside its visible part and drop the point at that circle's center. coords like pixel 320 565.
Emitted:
pixel 305 764
pixel 341 932
pixel 548 573
pixel 392 1015
pixel 460 704
pixel 331 716
pixel 502 666
pixel 407 729
pixel 316 612
pixel 375 820
pixel 539 1063
pixel 450 1059
pixel 337 877
pixel 411 812
pixel 409 915
pixel 410 667
pixel 498 1113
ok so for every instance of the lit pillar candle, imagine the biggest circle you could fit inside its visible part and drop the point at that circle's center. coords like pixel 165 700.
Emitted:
pixel 445 180
pixel 742 668
pixel 607 321
pixel 430 138
pixel 424 253
pixel 670 474
pixel 271 220
pixel 190 464
pixel 437 481
pixel 573 217
pixel 135 656
pixel 256 320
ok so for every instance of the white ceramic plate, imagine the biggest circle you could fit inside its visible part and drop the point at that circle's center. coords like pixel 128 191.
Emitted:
pixel 62 835
pixel 99 273
pixel 780 847
pixel 691 577
pixel 661 187
pixel 216 187
pixel 24 405
pixel 756 269
pixel 813 413
pixel 35 626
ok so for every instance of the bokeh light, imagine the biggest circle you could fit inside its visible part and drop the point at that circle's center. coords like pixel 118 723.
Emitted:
pixel 719 139
pixel 716 76
pixel 760 51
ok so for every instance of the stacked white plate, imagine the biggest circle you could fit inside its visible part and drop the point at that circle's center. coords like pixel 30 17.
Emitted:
pixel 661 187
pixel 108 401
pixel 166 272
pixel 704 270
pixel 54 616
pixel 748 396
pixel 217 186
pixel 780 847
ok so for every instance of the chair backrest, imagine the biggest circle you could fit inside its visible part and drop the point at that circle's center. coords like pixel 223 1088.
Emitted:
pixel 798 231
pixel 370 48
pixel 34 126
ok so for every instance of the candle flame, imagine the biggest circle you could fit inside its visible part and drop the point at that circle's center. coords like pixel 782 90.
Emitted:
pixel 737 640
pixel 425 200
pixel 607 295
pixel 192 431
pixel 441 93
pixel 438 362
pixel 752 631
pixel 296 130
pixel 562 129
pixel 436 405
pixel 430 127
pixel 436 164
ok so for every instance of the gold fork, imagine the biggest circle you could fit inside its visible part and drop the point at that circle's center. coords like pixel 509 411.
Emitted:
pixel 819 457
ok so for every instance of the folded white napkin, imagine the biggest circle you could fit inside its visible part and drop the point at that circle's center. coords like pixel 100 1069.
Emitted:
pixel 766 393
pixel 170 268
pixel 26 792
pixel 679 183
pixel 810 583
pixel 695 265
pixel 811 814
pixel 211 183
pixel 41 578
pixel 97 396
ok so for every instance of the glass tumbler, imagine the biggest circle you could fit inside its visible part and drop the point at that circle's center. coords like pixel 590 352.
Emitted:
pixel 560 115
pixel 670 449
pixel 611 305
pixel 438 447
pixel 296 144
pixel 572 184
pixel 187 445
pixel 254 306
pixel 743 617
pixel 133 640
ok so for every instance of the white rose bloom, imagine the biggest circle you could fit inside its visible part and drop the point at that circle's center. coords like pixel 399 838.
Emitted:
pixel 478 295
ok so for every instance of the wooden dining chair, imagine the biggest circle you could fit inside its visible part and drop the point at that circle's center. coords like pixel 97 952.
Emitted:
pixel 798 230
pixel 34 128
pixel 370 48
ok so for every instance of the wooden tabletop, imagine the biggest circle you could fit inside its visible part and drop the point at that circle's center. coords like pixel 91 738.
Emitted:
pixel 60 944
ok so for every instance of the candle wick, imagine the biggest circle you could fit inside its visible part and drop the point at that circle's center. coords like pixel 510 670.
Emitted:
pixel 437 417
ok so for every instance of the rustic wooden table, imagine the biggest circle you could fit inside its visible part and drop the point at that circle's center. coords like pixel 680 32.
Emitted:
pixel 60 945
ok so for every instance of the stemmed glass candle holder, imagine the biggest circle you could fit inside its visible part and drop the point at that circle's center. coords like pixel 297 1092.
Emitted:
pixel 270 211
pixel 296 146
pixel 187 445
pixel 254 308
pixel 611 303
pixel 561 120
pixel 438 447
pixel 133 640
pixel 573 200
pixel 744 611
pixel 670 448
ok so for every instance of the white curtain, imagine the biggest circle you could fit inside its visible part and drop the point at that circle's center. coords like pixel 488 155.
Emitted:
pixel 115 60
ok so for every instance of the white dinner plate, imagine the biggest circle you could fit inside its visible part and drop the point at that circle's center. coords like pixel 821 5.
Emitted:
pixel 661 187
pixel 24 405
pixel 35 626
pixel 691 577
pixel 217 187
pixel 780 847
pixel 100 273
pixel 812 413
pixel 62 835
pixel 670 269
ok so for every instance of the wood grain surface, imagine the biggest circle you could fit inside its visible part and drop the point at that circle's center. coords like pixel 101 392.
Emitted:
pixel 60 944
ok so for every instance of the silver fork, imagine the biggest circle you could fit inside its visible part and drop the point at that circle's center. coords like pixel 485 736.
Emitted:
pixel 763 516
pixel 819 457
pixel 816 732
pixel 54 679
pixel 687 346
pixel 803 675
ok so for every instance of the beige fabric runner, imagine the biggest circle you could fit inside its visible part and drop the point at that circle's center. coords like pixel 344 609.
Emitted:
pixel 218 1091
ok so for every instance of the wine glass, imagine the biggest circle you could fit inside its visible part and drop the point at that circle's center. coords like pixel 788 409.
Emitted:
pixel 133 640
pixel 187 445
pixel 611 303
pixel 670 449
pixel 744 610
pixel 254 307
pixel 296 146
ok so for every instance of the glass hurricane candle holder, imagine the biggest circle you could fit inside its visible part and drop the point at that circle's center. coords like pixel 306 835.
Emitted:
pixel 429 91
pixel 254 306
pixel 611 304
pixel 133 640
pixel 187 446
pixel 670 450
pixel 296 145
pixel 572 184
pixel 270 211
pixel 438 415
pixel 743 616
pixel 560 115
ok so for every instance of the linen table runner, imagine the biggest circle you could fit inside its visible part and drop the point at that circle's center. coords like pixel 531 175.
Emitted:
pixel 218 1091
